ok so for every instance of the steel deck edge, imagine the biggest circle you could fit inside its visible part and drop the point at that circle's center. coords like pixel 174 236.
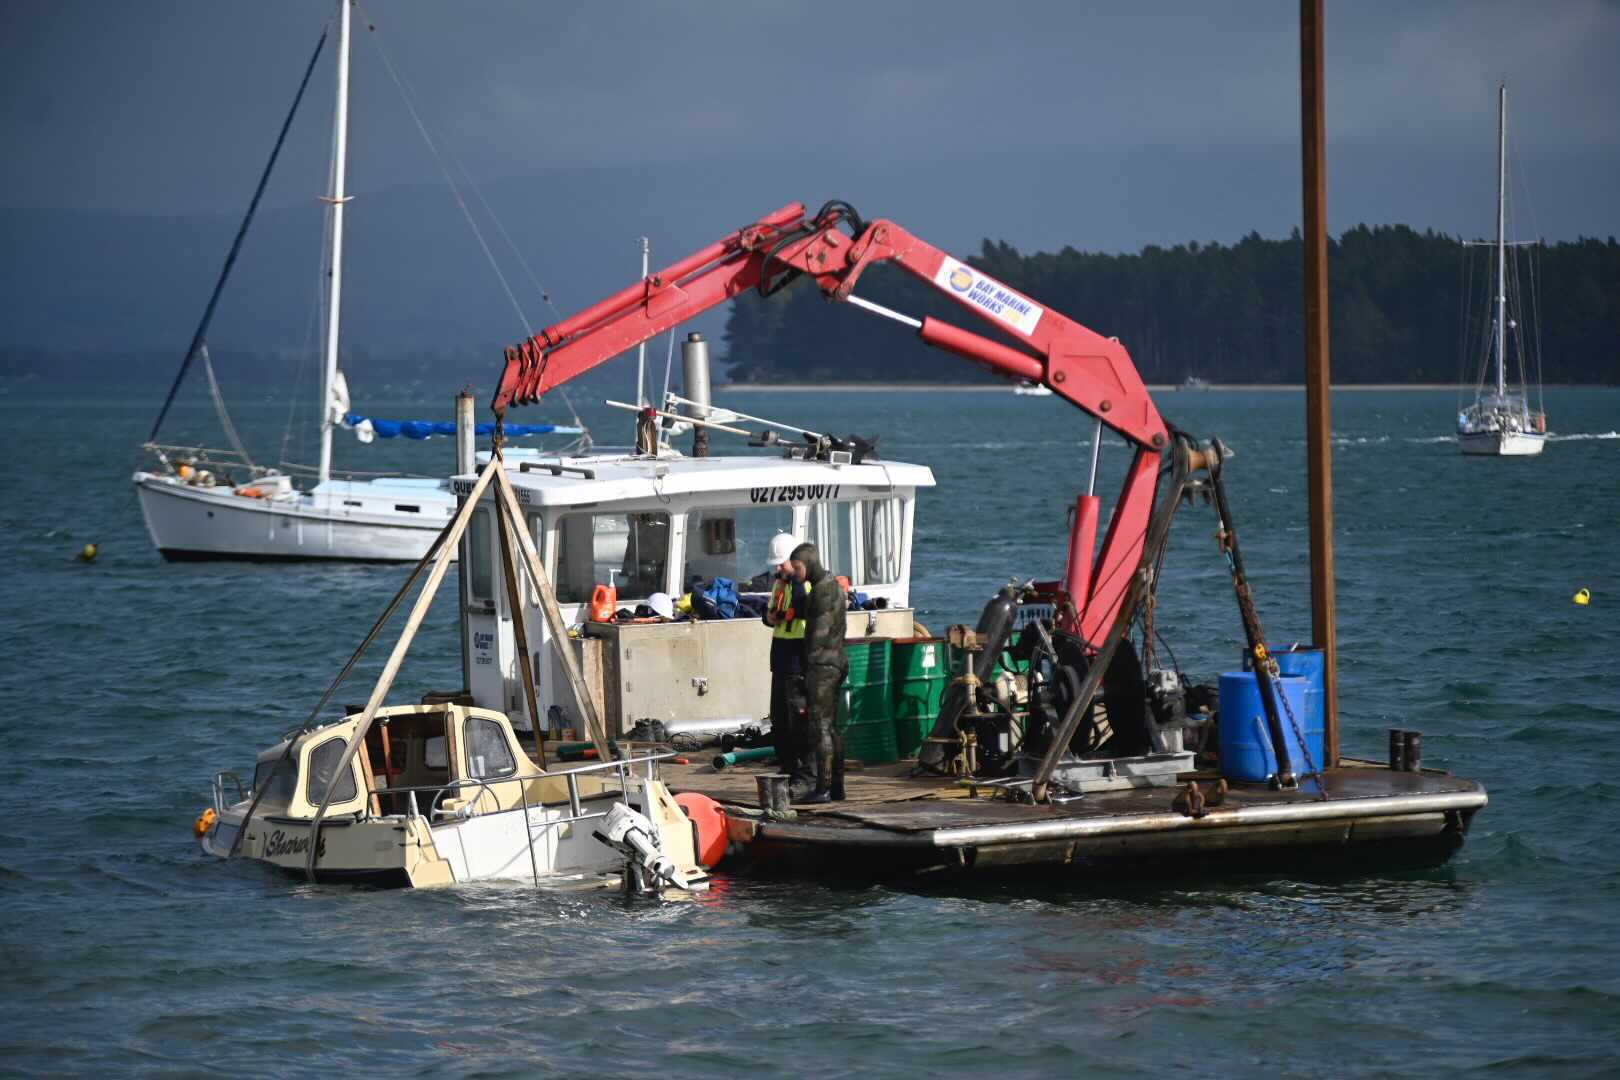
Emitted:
pixel 1169 821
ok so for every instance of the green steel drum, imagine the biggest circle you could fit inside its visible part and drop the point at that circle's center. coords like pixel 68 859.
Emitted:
pixel 920 672
pixel 863 703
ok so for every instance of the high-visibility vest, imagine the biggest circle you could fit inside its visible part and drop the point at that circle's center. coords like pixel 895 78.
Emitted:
pixel 791 629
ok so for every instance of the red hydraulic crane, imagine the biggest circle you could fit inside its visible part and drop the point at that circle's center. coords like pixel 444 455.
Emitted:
pixel 835 247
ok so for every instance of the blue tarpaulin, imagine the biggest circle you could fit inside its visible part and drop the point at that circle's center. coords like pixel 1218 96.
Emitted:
pixel 426 429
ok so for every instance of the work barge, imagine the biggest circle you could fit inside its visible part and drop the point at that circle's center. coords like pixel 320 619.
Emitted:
pixel 1363 814
pixel 1059 739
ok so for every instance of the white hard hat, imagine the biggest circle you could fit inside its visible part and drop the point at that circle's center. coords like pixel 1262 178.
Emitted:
pixel 662 605
pixel 782 545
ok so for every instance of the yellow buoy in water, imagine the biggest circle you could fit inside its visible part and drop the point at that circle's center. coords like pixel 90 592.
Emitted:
pixel 1583 597
pixel 87 553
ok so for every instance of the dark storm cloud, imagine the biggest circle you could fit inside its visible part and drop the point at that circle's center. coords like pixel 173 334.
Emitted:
pixel 1045 123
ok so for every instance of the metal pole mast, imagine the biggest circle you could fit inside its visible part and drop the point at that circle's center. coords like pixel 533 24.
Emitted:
pixel 641 350
pixel 1501 241
pixel 336 199
pixel 1318 406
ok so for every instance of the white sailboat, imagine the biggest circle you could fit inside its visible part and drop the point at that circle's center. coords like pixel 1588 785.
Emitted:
pixel 1500 422
pixel 218 504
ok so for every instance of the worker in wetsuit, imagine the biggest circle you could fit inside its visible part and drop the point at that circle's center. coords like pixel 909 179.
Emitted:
pixel 825 665
pixel 785 615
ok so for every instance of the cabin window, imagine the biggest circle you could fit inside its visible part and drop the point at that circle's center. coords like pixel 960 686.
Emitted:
pixel 834 538
pixel 480 559
pixel 537 533
pixel 323 762
pixel 633 548
pixel 434 754
pixel 488 755
pixel 275 790
pixel 732 542
pixel 880 540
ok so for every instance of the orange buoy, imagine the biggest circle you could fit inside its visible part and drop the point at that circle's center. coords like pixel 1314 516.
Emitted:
pixel 204 822
pixel 711 826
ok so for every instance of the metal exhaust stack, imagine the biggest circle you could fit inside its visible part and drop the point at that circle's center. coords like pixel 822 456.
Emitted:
pixel 466 462
pixel 695 369
pixel 466 441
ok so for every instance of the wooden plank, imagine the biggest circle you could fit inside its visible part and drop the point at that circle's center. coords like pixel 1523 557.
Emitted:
pixel 385 681
pixel 554 620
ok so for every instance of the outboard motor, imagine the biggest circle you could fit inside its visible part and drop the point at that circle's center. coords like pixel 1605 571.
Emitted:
pixel 994 630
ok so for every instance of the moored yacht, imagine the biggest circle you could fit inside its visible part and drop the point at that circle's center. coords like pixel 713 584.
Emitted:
pixel 1500 422
pixel 201 503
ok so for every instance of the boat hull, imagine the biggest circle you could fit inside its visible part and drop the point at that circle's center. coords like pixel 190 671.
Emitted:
pixel 189 523
pixel 538 844
pixel 1501 443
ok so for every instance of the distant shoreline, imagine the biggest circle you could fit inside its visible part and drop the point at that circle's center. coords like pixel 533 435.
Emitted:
pixel 848 387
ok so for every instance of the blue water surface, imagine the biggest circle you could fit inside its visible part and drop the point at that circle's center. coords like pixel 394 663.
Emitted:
pixel 129 681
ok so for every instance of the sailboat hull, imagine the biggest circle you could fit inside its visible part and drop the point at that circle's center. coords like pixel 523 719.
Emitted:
pixel 1502 443
pixel 361 522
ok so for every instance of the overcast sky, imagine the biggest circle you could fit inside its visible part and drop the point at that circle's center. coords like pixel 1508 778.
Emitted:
pixel 1102 126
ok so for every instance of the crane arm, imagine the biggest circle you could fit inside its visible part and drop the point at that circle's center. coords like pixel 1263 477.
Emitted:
pixel 1092 372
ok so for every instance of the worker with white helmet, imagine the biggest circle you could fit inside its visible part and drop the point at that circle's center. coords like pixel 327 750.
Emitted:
pixel 785 616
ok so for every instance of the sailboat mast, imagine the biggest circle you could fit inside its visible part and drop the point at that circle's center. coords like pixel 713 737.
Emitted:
pixel 336 199
pixel 1501 241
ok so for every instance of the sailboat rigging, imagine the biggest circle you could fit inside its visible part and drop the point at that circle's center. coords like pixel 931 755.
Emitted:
pixel 1500 421
pixel 220 504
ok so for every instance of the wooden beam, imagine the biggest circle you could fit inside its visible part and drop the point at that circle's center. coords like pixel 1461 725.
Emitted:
pixel 1318 404
pixel 385 681
pixel 554 623
pixel 506 527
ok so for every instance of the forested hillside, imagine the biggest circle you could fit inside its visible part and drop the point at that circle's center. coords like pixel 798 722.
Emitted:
pixel 1221 313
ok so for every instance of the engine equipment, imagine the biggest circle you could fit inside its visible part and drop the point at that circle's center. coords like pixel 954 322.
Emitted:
pixel 966 703
pixel 645 863
pixel 1167 701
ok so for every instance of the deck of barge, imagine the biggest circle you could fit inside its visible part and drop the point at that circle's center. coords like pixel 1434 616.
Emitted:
pixel 925 820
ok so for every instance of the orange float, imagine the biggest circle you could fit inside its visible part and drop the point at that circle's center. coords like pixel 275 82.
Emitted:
pixel 711 826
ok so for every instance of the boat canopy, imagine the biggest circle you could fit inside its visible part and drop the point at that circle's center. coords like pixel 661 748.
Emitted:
pixel 426 429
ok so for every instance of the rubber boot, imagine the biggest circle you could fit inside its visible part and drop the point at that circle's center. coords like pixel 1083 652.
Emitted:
pixel 835 785
pixel 805 779
pixel 822 793
pixel 803 790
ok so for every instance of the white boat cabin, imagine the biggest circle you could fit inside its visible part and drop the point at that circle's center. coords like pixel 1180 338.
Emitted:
pixel 668 524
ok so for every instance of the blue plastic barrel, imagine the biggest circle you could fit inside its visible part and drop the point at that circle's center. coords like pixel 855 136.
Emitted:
pixel 1245 740
pixel 1311 665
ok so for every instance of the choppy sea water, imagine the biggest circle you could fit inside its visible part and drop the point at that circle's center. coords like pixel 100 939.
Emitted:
pixel 130 681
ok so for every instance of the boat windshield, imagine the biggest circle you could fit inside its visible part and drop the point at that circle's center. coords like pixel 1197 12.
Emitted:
pixel 880 535
pixel 274 786
pixel 632 547
pixel 323 763
pixel 731 542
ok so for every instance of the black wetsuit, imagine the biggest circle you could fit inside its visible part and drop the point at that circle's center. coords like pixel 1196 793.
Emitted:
pixel 825 664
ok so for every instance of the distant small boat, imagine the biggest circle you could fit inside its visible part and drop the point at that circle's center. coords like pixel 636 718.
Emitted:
pixel 1193 382
pixel 1500 422
pixel 1029 389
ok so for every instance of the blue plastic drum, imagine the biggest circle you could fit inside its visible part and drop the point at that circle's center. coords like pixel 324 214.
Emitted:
pixel 1245 740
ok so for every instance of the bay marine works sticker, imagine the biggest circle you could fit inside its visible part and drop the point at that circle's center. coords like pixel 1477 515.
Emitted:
pixel 988 295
